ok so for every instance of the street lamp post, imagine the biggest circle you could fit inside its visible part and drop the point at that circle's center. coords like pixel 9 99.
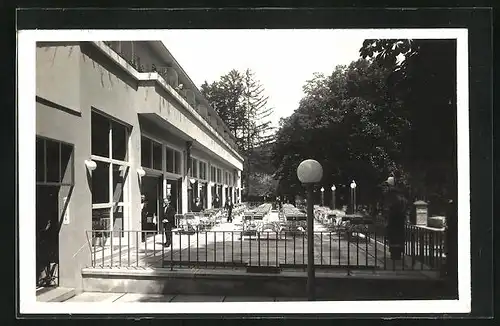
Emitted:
pixel 322 196
pixel 353 196
pixel 310 172
pixel 333 196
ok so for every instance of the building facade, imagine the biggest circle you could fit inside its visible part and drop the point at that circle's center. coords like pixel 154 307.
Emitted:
pixel 116 121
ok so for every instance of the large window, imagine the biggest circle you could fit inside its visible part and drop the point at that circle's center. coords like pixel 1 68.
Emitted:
pixel 109 180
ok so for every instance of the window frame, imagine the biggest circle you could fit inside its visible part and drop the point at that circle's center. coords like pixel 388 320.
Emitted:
pixel 111 204
pixel 44 182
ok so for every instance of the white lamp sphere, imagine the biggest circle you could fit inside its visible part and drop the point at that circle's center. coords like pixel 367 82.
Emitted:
pixel 309 171
pixel 322 189
pixel 333 188
pixel 353 185
pixel 390 181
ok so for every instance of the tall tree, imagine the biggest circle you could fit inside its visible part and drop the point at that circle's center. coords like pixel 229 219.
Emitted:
pixel 240 100
pixel 224 96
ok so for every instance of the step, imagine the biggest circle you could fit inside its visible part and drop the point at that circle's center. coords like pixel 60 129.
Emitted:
pixel 58 294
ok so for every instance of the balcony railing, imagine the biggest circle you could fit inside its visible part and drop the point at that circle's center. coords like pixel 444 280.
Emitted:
pixel 171 78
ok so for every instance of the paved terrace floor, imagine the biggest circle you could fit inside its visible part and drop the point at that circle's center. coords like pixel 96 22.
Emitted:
pixel 223 245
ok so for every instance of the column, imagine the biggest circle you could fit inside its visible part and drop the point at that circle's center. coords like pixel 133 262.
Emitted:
pixel 209 195
pixel 186 166
pixel 223 195
pixel 238 185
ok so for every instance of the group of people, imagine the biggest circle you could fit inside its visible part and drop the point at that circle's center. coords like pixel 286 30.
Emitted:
pixel 168 219
pixel 216 203
pixel 169 211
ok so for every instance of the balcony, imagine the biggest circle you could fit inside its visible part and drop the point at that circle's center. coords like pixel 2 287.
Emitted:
pixel 171 77
pixel 181 102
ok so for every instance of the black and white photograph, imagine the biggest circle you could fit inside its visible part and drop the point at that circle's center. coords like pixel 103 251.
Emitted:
pixel 244 170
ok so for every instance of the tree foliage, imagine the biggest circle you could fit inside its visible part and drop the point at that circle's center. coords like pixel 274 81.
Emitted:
pixel 239 99
pixel 390 112
pixel 349 122
pixel 425 80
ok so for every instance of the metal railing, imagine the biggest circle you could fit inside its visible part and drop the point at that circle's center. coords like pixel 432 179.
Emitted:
pixel 349 250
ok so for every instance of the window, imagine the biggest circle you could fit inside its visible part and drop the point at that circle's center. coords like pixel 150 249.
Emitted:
pixel 219 176
pixel 173 161
pixel 119 176
pixel 170 160
pixel 109 179
pixel 203 170
pixel 100 135
pixel 157 156
pixel 100 183
pixel 146 154
pixel 151 154
pixel 194 168
pixel 54 162
pixel 100 219
pixel 40 160
pixel 177 165
pixel 212 173
pixel 119 141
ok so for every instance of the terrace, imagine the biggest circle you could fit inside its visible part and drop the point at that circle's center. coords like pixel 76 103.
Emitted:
pixel 224 246
pixel 223 260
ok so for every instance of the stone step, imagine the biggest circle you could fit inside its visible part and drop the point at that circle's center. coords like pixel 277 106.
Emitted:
pixel 58 294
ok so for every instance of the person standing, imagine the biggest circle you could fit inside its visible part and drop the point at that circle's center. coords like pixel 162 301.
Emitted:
pixel 229 208
pixel 168 221
pixel 197 207
pixel 216 202
pixel 144 216
pixel 396 205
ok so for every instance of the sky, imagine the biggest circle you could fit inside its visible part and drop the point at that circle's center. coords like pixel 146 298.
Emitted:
pixel 282 60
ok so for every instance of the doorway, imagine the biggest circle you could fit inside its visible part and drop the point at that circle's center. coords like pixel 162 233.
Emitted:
pixel 151 189
pixel 174 187
pixel 47 235
pixel 54 186
pixel 204 195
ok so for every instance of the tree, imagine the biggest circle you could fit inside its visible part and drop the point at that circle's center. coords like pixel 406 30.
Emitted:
pixel 350 123
pixel 424 78
pixel 239 100
pixel 225 97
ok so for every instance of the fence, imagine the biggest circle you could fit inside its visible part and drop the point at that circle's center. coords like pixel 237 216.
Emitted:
pixel 423 250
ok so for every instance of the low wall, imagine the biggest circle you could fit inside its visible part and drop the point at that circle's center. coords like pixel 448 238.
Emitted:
pixel 329 285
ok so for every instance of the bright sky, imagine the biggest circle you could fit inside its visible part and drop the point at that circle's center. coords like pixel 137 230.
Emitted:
pixel 282 60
